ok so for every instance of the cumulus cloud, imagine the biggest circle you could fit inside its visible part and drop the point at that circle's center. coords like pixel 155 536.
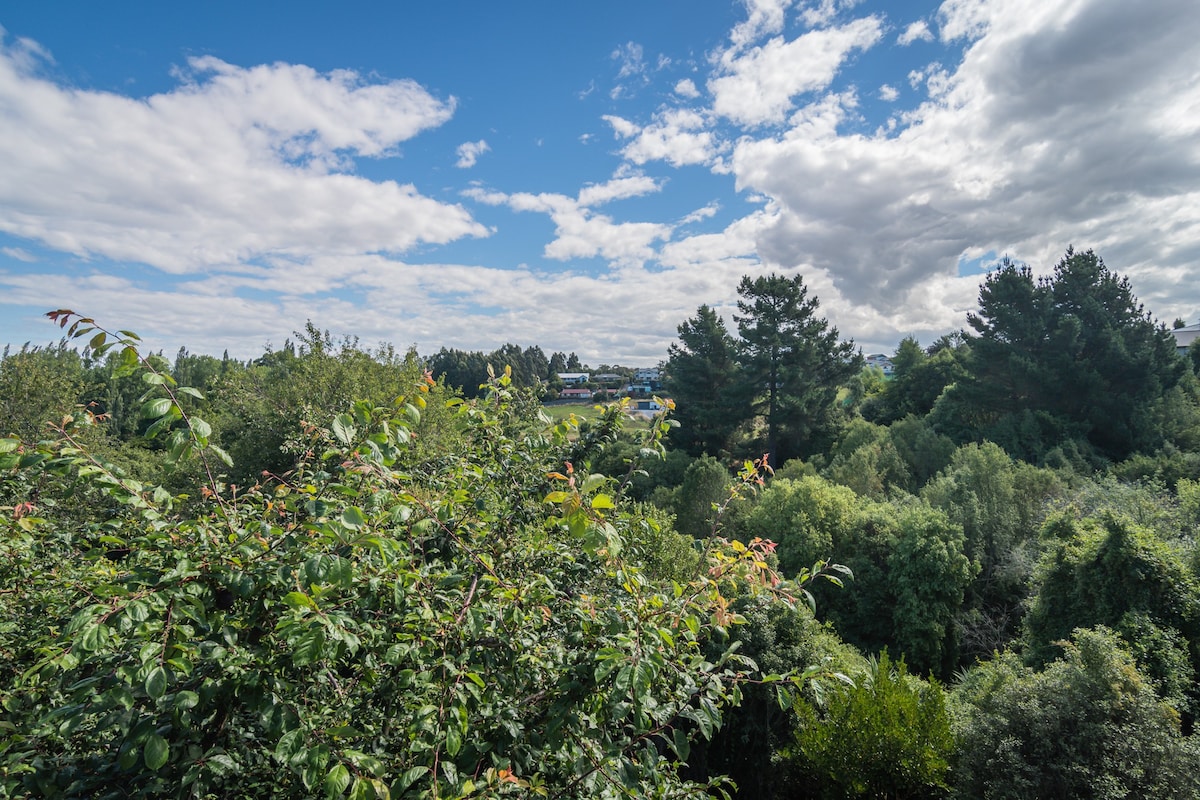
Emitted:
pixel 1057 127
pixel 233 164
pixel 580 232
pixel 677 136
pixel 888 93
pixel 758 85
pixel 469 153
pixel 916 32
pixel 763 18
pixel 686 88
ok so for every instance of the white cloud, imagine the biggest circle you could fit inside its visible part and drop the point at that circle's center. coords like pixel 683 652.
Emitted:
pixel 702 213
pixel 617 189
pixel 967 18
pixel 686 88
pixel 630 59
pixel 763 18
pixel 822 12
pixel 888 93
pixel 18 253
pixel 622 127
pixel 916 32
pixel 581 233
pixel 469 153
pixel 758 86
pixel 1057 127
pixel 632 72
pixel 677 136
pixel 235 164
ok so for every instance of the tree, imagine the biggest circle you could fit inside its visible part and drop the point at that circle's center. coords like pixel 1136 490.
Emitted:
pixel 703 379
pixel 888 736
pixel 918 379
pixel 792 360
pixel 38 385
pixel 1070 356
pixel 1088 726
pixel 1110 571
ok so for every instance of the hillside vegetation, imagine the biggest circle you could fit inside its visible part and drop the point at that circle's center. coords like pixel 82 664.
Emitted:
pixel 325 572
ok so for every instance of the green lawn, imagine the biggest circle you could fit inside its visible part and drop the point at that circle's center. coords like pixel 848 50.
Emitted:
pixel 560 411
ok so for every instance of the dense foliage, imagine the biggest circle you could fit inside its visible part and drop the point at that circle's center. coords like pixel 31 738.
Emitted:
pixel 364 623
pixel 396 591
pixel 1070 357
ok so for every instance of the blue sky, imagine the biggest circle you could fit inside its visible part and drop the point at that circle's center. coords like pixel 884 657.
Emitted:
pixel 581 176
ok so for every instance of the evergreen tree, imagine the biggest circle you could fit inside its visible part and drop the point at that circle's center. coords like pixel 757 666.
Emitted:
pixel 792 359
pixel 702 378
pixel 1070 356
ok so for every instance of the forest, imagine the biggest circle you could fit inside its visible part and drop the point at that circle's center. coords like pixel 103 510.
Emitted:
pixel 336 570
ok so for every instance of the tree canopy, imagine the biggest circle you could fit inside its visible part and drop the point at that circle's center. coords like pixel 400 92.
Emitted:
pixel 702 378
pixel 1072 356
pixel 794 361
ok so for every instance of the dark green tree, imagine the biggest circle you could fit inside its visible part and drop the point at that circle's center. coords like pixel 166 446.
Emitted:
pixel 1070 356
pixel 703 379
pixel 792 360
pixel 918 379
pixel 1110 571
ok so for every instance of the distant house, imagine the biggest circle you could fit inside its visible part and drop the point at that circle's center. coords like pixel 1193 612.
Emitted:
pixel 647 375
pixel 575 394
pixel 574 378
pixel 881 361
pixel 608 377
pixel 1185 336
pixel 646 380
pixel 646 408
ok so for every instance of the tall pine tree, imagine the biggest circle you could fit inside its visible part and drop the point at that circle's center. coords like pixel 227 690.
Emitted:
pixel 703 379
pixel 792 360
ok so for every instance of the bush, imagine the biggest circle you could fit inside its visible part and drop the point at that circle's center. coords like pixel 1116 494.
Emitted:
pixel 479 627
pixel 1087 727
pixel 888 736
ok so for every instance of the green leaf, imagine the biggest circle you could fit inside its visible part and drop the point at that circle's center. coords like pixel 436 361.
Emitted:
pixel 409 778
pixel 155 408
pixel 602 501
pixel 221 454
pixel 290 747
pixel 8 445
pixel 353 517
pixel 190 392
pixel 98 340
pixel 187 699
pixel 156 682
pixel 682 745
pixel 137 611
pixel 201 428
pixel 299 600
pixel 337 780
pixel 453 740
pixel 363 790
pixel 153 378
pixel 156 751
pixel 343 428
